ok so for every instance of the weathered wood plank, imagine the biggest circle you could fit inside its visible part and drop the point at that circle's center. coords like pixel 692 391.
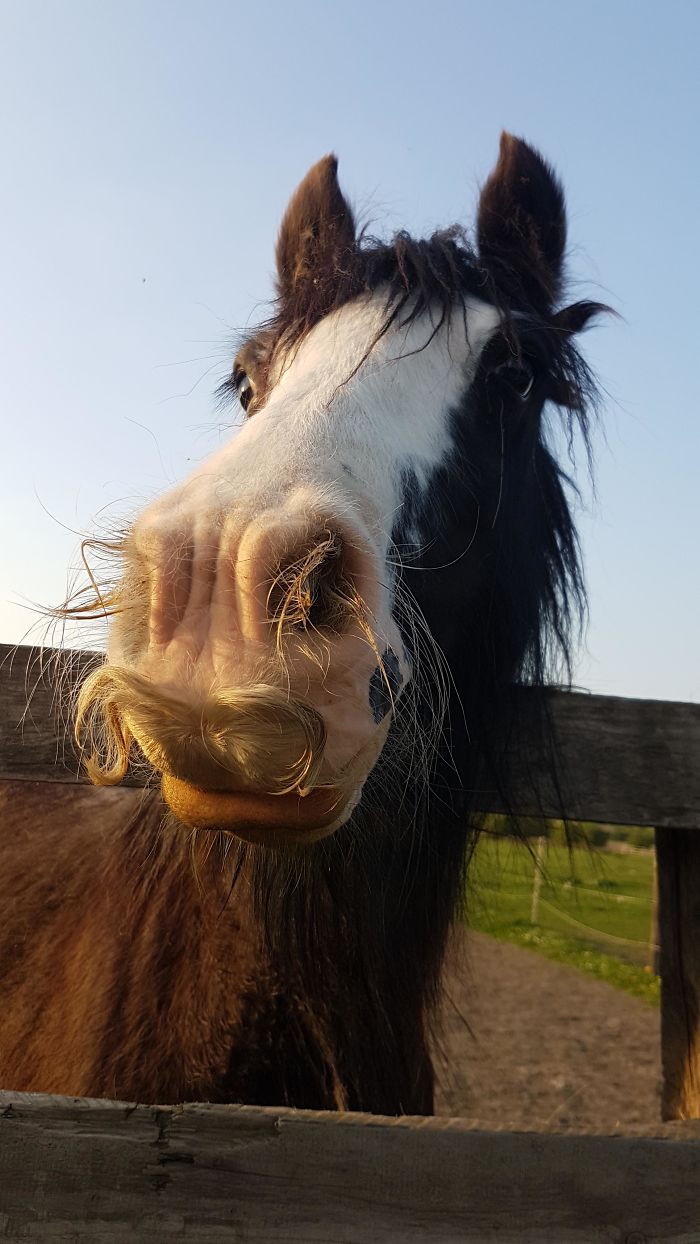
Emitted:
pixel 678 862
pixel 36 737
pixel 622 761
pixel 105 1171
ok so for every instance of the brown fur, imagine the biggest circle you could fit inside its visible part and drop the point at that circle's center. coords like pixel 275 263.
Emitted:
pixel 317 237
pixel 153 1011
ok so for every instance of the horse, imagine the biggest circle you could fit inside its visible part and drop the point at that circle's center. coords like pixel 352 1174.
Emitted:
pixel 314 653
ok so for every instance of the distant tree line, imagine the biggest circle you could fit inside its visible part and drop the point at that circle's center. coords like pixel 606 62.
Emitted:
pixel 571 833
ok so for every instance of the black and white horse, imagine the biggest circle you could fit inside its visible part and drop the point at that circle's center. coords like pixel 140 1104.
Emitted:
pixel 313 645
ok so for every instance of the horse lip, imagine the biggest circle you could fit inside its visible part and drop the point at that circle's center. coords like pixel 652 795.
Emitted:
pixel 268 819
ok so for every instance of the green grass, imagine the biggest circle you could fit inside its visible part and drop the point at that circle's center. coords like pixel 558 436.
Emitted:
pixel 594 913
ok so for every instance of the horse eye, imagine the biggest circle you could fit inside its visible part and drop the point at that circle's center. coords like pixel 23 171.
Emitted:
pixel 244 388
pixel 518 377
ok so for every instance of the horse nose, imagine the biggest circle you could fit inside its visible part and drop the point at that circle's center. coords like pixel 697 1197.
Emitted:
pixel 272 575
pixel 293 576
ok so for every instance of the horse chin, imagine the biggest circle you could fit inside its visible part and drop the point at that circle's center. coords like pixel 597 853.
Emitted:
pixel 276 820
pixel 270 820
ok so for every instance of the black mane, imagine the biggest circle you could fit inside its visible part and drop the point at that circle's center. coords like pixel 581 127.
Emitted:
pixel 500 582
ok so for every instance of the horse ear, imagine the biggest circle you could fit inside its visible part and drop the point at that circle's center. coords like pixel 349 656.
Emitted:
pixel 521 225
pixel 317 232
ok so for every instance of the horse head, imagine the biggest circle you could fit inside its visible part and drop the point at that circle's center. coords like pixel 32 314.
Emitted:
pixel 385 545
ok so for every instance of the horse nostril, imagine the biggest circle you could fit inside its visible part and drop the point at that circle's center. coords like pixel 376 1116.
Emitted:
pixel 312 588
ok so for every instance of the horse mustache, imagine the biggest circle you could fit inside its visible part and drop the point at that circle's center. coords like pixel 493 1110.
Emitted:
pixel 248 738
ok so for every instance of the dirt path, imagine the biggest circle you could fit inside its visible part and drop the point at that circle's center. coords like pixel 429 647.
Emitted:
pixel 547 1044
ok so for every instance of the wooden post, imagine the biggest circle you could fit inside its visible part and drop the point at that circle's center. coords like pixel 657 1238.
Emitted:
pixel 537 879
pixel 678 863
pixel 653 955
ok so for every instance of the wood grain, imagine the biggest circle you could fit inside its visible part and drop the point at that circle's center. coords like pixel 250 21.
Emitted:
pixel 678 864
pixel 107 1171
pixel 621 761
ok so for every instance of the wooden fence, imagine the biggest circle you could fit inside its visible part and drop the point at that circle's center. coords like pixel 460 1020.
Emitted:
pixel 104 1171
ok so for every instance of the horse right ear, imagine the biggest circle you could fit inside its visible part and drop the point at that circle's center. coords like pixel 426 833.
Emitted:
pixel 521 227
pixel 317 232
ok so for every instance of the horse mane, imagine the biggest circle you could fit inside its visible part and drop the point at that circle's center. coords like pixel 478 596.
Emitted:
pixel 386 889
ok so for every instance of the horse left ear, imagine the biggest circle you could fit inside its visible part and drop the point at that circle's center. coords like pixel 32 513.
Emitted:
pixel 317 232
pixel 521 226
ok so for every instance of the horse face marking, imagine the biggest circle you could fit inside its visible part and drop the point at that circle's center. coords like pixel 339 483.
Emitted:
pixel 382 406
pixel 384 686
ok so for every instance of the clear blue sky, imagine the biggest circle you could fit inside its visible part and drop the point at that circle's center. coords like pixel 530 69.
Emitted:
pixel 148 149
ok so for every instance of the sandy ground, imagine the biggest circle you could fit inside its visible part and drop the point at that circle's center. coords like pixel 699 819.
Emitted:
pixel 530 1042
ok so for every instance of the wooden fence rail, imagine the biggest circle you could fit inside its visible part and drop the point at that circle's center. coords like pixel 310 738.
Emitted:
pixel 105 1171
pixel 79 1170
pixel 625 762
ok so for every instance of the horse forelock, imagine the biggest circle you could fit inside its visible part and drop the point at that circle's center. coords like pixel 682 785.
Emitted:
pixel 415 277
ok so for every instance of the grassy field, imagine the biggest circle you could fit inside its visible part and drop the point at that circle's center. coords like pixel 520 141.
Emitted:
pixel 594 910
